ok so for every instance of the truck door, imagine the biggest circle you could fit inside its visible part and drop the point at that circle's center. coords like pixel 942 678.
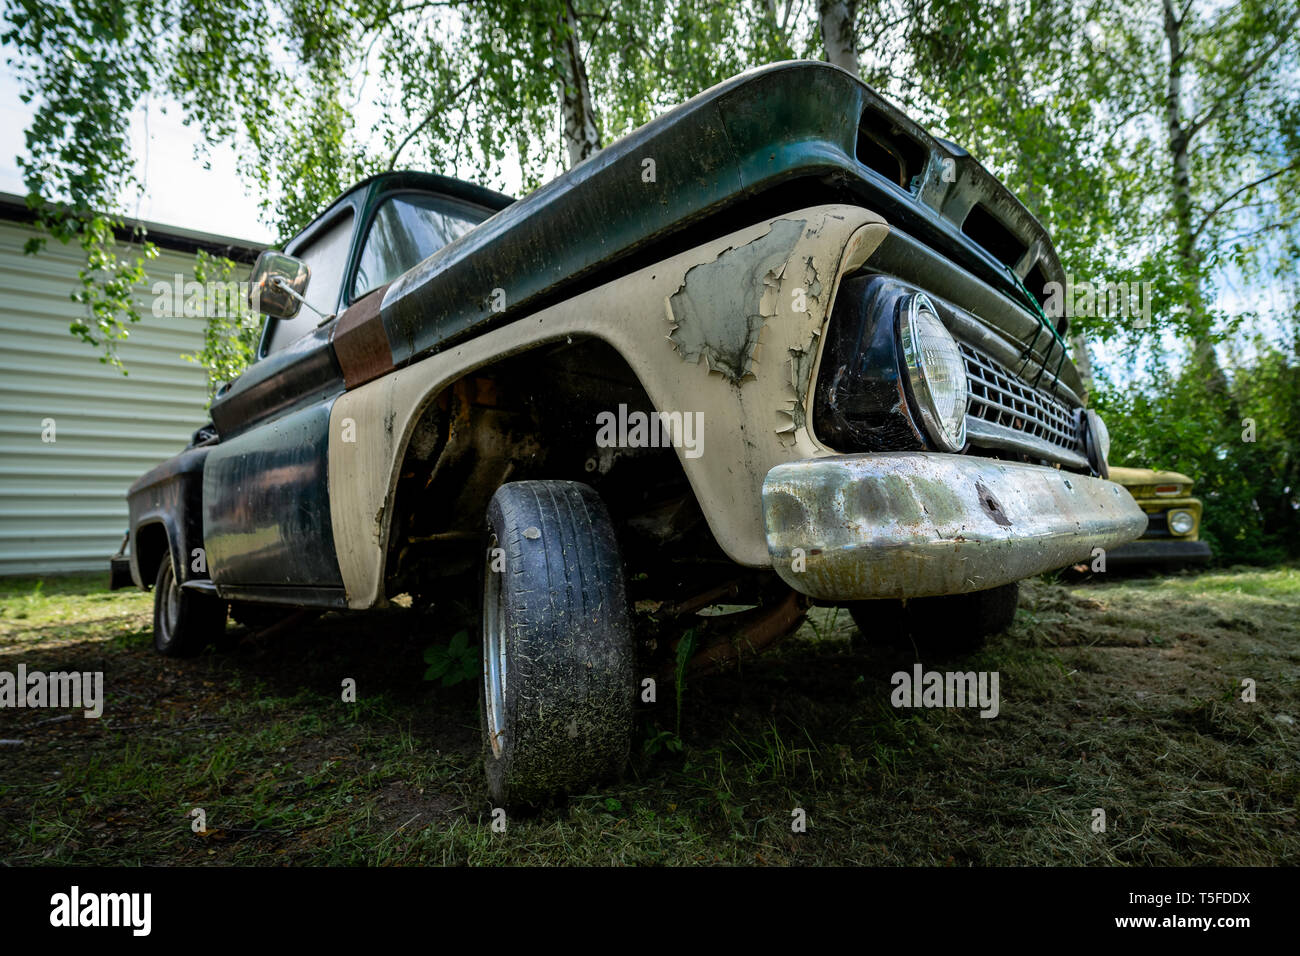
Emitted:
pixel 266 512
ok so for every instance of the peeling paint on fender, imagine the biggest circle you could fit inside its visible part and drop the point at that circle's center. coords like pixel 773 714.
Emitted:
pixel 721 307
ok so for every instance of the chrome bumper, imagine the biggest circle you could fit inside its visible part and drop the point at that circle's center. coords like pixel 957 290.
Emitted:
pixel 904 524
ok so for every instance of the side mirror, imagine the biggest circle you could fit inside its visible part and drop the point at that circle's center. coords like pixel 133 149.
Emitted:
pixel 275 280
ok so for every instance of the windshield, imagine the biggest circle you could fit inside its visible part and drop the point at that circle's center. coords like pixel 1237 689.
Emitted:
pixel 408 229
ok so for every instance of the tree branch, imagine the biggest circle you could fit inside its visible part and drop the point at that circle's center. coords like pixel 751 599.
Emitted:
pixel 1271 227
pixel 1242 79
pixel 1205 221
pixel 410 8
pixel 472 81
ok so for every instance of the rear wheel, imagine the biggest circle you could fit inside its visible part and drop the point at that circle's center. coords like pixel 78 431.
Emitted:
pixel 951 624
pixel 184 622
pixel 557 696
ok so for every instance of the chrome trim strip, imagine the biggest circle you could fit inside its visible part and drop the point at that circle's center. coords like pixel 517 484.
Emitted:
pixel 985 434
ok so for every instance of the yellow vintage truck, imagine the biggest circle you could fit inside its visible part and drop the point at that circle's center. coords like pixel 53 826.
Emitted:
pixel 1172 537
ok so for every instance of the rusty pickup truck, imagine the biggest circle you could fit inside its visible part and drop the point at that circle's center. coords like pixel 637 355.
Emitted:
pixel 781 345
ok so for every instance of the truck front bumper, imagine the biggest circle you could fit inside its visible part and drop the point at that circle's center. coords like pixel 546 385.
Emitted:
pixel 913 524
pixel 1168 552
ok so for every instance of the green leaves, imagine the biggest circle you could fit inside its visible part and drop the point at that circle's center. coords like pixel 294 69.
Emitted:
pixel 662 740
pixel 457 661
pixel 303 90
pixel 1249 483
pixel 685 651
pixel 231 331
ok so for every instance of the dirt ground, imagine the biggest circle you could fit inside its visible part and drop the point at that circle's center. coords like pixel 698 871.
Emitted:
pixel 1122 695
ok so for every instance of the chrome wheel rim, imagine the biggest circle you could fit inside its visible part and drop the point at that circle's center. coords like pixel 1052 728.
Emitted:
pixel 494 653
pixel 171 607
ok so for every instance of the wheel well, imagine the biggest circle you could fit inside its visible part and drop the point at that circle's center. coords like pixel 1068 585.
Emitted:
pixel 150 547
pixel 534 416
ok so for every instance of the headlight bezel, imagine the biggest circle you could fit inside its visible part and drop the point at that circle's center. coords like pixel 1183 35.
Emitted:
pixel 1177 513
pixel 1097 443
pixel 918 320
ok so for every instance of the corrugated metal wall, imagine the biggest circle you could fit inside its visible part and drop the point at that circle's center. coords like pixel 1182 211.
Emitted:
pixel 62 503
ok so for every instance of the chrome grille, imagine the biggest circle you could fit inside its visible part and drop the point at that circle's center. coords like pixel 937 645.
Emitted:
pixel 998 396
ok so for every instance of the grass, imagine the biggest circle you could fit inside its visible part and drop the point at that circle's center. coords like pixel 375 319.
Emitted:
pixel 1122 695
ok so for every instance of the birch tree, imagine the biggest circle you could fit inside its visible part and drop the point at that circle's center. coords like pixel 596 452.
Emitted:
pixel 581 136
pixel 1231 113
pixel 838 22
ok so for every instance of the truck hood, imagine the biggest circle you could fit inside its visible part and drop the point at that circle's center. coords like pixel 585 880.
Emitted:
pixel 770 140
pixel 1142 477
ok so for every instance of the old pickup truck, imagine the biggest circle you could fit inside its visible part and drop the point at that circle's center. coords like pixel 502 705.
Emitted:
pixel 781 345
pixel 1172 535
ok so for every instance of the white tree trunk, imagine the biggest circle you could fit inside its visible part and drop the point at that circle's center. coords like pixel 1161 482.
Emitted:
pixel 837 23
pixel 577 109
pixel 1180 146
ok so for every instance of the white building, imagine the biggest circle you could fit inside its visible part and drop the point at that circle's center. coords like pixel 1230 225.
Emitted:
pixel 63 502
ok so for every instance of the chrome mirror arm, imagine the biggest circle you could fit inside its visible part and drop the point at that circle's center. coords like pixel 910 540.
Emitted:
pixel 281 283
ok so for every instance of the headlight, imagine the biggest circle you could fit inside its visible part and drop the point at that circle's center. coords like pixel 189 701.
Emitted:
pixel 1098 441
pixel 1181 522
pixel 936 374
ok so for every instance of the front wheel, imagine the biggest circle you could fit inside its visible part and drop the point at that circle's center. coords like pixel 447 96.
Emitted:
pixel 941 626
pixel 558 651
pixel 183 622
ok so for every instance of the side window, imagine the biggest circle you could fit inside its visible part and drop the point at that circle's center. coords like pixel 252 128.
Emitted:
pixel 327 255
pixel 408 229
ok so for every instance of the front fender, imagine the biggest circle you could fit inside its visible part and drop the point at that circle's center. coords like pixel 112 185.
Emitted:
pixel 731 328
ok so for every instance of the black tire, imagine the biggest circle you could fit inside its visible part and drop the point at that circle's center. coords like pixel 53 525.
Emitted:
pixel 556 710
pixel 184 622
pixel 937 626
